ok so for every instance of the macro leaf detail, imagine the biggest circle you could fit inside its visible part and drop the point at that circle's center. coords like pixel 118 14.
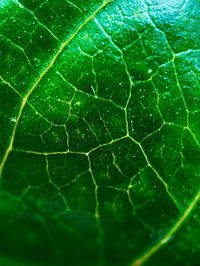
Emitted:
pixel 100 132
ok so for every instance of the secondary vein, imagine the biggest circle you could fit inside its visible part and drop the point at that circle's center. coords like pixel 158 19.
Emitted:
pixel 25 99
pixel 170 233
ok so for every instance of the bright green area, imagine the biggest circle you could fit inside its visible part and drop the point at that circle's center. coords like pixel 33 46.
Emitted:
pixel 102 158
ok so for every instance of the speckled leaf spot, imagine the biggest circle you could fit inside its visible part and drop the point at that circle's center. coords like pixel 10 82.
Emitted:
pixel 100 132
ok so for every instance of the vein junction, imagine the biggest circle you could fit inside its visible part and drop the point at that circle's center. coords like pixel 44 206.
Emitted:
pixel 24 101
pixel 122 108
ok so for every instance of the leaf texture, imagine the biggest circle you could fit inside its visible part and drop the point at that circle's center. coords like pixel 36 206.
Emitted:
pixel 100 132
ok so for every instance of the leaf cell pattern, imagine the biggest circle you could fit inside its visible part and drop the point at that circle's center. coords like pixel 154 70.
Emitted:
pixel 100 131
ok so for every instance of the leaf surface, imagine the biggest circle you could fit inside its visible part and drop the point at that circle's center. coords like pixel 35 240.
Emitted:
pixel 100 132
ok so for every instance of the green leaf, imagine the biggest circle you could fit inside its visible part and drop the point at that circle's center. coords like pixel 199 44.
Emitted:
pixel 100 132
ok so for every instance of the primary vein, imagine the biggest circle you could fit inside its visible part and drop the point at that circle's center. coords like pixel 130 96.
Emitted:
pixel 24 101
